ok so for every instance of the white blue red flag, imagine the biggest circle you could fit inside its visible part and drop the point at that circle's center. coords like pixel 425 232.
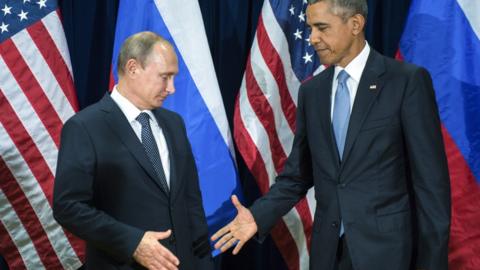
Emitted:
pixel 444 37
pixel 37 96
pixel 281 58
pixel 197 98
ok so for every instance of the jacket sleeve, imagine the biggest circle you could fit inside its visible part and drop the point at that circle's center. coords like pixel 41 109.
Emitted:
pixel 428 171
pixel 292 184
pixel 73 202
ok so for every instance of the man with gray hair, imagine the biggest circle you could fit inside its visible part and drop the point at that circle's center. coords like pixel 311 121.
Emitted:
pixel 126 178
pixel 368 139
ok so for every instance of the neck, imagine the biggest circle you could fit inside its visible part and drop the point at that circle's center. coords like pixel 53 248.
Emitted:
pixel 355 50
pixel 125 89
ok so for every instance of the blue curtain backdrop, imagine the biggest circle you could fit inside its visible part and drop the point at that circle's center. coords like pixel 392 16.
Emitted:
pixel 230 25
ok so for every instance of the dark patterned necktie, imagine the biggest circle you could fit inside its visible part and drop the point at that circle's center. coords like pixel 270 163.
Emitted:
pixel 151 149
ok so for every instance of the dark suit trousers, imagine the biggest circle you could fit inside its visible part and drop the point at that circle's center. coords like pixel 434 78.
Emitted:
pixel 343 260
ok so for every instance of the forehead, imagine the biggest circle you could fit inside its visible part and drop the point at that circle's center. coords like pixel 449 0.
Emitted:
pixel 320 12
pixel 163 57
pixel 162 52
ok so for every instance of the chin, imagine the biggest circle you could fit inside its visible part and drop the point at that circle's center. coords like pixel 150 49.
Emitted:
pixel 159 104
pixel 325 60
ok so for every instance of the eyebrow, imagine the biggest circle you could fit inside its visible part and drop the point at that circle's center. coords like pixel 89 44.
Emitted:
pixel 318 24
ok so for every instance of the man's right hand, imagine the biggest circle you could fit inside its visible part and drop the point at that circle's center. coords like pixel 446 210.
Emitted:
pixel 237 232
pixel 153 255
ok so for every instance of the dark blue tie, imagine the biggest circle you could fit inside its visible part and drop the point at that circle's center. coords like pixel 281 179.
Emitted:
pixel 151 149
pixel 341 117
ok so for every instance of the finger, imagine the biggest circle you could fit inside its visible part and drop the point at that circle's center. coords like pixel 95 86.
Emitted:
pixel 223 240
pixel 156 265
pixel 220 232
pixel 168 255
pixel 162 235
pixel 237 203
pixel 166 264
pixel 238 247
pixel 229 244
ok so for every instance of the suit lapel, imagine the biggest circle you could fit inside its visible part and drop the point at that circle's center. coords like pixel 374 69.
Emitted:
pixel 167 132
pixel 119 124
pixel 325 113
pixel 369 87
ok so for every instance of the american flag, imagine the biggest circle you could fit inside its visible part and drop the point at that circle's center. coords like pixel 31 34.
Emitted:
pixel 36 97
pixel 281 58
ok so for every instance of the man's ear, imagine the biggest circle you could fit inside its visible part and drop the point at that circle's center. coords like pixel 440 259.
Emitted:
pixel 358 24
pixel 131 68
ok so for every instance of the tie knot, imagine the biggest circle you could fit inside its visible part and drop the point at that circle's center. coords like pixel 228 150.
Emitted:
pixel 143 118
pixel 342 77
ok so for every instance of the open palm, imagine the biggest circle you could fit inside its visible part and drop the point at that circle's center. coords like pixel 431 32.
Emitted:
pixel 238 231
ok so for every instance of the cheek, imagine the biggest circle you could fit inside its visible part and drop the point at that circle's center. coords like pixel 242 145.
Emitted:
pixel 329 41
pixel 337 45
pixel 151 86
pixel 155 84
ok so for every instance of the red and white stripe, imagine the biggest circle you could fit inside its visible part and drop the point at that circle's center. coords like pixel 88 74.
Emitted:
pixel 37 96
pixel 264 129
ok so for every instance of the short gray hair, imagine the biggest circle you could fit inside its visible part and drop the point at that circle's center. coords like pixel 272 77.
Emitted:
pixel 138 47
pixel 346 8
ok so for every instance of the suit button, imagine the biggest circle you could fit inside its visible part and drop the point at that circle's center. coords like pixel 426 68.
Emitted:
pixel 335 224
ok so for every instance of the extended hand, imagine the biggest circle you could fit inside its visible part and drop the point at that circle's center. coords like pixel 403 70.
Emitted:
pixel 238 232
pixel 153 255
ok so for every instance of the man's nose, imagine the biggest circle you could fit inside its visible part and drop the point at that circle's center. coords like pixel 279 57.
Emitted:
pixel 315 36
pixel 170 87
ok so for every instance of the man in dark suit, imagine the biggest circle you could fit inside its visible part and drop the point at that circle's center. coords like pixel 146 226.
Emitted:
pixel 368 139
pixel 126 179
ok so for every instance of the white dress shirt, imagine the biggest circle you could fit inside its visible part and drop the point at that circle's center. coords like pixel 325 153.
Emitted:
pixel 354 69
pixel 131 112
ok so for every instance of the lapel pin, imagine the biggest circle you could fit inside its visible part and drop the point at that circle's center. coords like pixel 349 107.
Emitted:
pixel 373 87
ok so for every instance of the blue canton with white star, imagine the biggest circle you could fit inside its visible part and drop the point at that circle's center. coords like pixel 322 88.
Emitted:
pixel 16 15
pixel 292 19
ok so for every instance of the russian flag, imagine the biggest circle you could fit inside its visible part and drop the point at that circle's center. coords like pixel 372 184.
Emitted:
pixel 197 98
pixel 444 37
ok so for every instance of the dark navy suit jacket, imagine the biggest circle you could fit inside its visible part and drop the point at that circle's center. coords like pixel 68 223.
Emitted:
pixel 107 193
pixel 391 190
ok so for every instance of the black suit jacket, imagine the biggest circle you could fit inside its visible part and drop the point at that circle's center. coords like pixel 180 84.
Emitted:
pixel 107 193
pixel 392 188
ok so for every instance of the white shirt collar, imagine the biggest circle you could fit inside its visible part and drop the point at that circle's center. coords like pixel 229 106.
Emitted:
pixel 129 110
pixel 356 66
